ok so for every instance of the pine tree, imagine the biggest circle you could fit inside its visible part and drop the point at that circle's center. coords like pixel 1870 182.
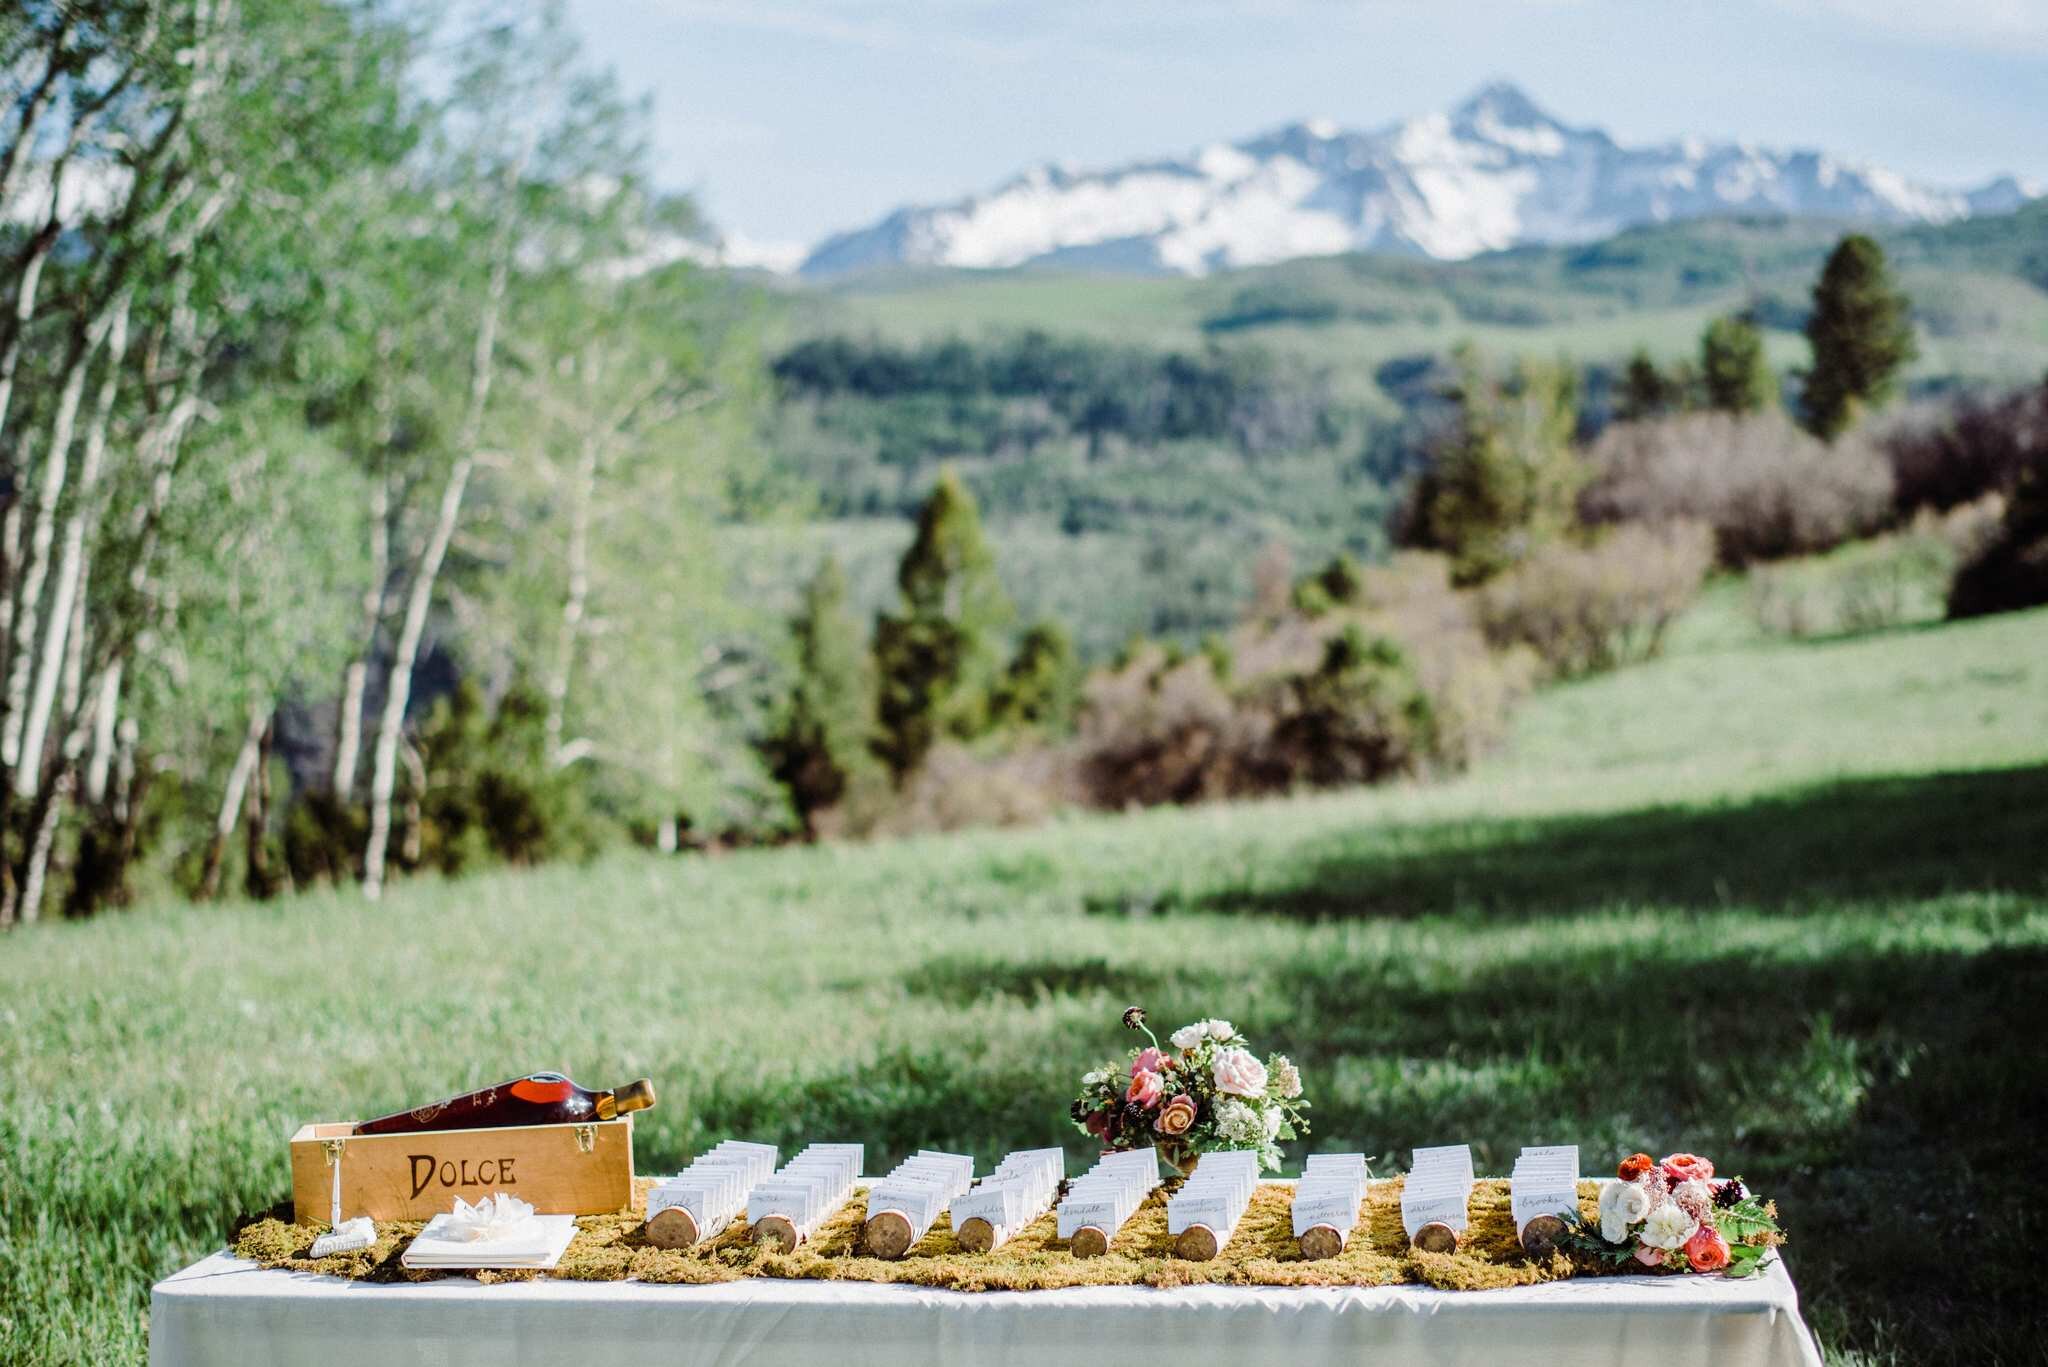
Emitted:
pixel 1506 478
pixel 1645 391
pixel 938 660
pixel 818 747
pixel 1041 686
pixel 1733 371
pixel 1861 332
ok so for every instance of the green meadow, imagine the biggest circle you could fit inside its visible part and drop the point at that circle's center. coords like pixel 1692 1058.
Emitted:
pixel 1782 903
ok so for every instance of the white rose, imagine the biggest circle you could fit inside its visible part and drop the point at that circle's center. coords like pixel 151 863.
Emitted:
pixel 1239 1073
pixel 1668 1227
pixel 1220 1029
pixel 1188 1036
pixel 1621 1204
pixel 1273 1122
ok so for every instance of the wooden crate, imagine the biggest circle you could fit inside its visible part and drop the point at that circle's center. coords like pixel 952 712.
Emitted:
pixel 558 1169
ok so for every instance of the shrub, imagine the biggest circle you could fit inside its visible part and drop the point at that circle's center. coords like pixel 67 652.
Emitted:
pixel 1151 735
pixel 1888 581
pixel 2011 571
pixel 1767 489
pixel 1360 716
pixel 1942 458
pixel 1588 608
pixel 1401 683
pixel 959 787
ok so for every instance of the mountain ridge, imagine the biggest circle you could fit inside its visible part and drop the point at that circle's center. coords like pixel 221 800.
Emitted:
pixel 1495 171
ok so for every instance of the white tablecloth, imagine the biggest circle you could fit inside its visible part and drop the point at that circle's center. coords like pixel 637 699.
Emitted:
pixel 224 1310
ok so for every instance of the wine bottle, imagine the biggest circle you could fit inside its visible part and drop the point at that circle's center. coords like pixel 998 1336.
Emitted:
pixel 536 1099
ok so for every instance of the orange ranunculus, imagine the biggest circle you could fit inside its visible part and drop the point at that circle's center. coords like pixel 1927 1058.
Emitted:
pixel 1706 1250
pixel 1177 1117
pixel 1686 1167
pixel 1634 1166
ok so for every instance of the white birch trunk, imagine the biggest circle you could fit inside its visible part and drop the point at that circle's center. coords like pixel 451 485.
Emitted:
pixel 28 772
pixel 348 721
pixel 574 600
pixel 232 796
pixel 398 688
pixel 105 713
pixel 56 468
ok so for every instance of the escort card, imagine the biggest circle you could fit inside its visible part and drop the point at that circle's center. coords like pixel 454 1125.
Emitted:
pixel 1330 1192
pixel 1545 1182
pixel 1438 1189
pixel 1215 1194
pixel 809 1187
pixel 1109 1193
pixel 1021 1189
pixel 920 1187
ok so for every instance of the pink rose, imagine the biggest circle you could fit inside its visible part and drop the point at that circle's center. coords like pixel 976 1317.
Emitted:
pixel 1686 1167
pixel 1146 1088
pixel 1178 1117
pixel 1649 1257
pixel 1707 1250
pixel 1239 1073
pixel 1149 1060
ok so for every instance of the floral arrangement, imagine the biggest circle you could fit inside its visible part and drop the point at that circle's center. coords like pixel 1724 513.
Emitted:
pixel 1674 1215
pixel 1204 1090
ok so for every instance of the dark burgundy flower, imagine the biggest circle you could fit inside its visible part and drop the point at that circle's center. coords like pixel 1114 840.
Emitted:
pixel 1730 1192
pixel 1134 1016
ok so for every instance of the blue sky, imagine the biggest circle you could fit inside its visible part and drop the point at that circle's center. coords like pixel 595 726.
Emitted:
pixel 793 118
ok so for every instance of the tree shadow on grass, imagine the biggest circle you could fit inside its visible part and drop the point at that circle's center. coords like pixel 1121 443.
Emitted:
pixel 1983 831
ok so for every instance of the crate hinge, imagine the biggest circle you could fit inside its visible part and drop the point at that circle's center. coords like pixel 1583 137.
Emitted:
pixel 586 1138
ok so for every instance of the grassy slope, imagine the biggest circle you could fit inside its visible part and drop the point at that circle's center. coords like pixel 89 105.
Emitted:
pixel 1783 904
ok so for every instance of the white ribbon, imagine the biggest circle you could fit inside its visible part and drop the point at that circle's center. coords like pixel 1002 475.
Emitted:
pixel 497 1218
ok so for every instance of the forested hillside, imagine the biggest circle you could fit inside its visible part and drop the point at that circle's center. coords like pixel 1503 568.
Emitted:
pixel 1135 443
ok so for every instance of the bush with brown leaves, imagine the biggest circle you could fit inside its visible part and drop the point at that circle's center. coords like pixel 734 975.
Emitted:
pixel 1768 489
pixel 1588 608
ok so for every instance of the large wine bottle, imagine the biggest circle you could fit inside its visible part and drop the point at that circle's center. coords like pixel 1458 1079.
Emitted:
pixel 536 1099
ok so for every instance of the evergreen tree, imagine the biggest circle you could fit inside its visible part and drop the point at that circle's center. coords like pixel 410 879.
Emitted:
pixel 818 747
pixel 1645 392
pixel 1861 332
pixel 1506 477
pixel 1733 371
pixel 937 660
pixel 1042 684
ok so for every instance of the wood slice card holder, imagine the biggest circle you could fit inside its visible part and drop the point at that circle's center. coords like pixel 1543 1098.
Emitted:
pixel 1198 1244
pixel 581 1169
pixel 888 1234
pixel 975 1235
pixel 1541 1234
pixel 672 1228
pixel 1436 1237
pixel 778 1232
pixel 1322 1241
pixel 1089 1241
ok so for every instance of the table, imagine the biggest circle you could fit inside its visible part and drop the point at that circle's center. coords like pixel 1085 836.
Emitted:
pixel 225 1310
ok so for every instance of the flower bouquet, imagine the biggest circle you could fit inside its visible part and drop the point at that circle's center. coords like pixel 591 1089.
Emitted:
pixel 1204 1091
pixel 1676 1216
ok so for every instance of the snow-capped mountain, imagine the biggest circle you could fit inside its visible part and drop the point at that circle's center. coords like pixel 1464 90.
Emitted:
pixel 1496 171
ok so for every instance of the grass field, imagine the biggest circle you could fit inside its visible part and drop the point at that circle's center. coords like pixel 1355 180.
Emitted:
pixel 1783 904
